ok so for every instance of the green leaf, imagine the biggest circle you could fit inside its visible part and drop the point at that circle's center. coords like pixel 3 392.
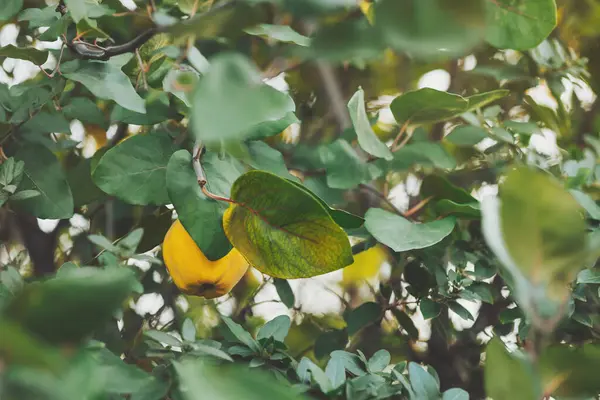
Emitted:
pixel 400 234
pixel 39 17
pixel 519 24
pixel 308 371
pixel 480 100
pixel 336 372
pixel 363 315
pixel 38 57
pixel 343 218
pixel 354 39
pixel 283 231
pixel 233 86
pixel 570 371
pixel 156 112
pixel 285 293
pixel 240 334
pixel 81 183
pixel 46 122
pixel 509 376
pixel 406 323
pixel 362 126
pixel 455 394
pixel 589 276
pixel 483 291
pixel 227 18
pixel 77 9
pixel 163 337
pixel 461 311
pixel 345 170
pixel 429 308
pixel 524 128
pixel 280 33
pixel 277 328
pixel 352 363
pixel 10 8
pixel 266 158
pixel 328 342
pixel 106 81
pixel 546 250
pixel 439 187
pixel 203 350
pixel 124 378
pixel 422 153
pixel 135 169
pixel 466 135
pixel 426 106
pixel 271 128
pixel 68 308
pixel 449 207
pixel 200 216
pixel 12 280
pixel 379 360
pixel 188 330
pixel 43 173
pixel 199 380
pixel 19 348
pixel 86 111
pixel 103 243
pixel 431 28
pixel 587 203
pixel 424 385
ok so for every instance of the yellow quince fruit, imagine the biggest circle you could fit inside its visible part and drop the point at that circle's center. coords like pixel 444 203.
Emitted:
pixel 193 273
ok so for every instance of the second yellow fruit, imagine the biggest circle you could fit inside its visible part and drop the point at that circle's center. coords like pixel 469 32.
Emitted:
pixel 195 274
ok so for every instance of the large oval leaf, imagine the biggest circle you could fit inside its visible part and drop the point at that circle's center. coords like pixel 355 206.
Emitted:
pixel 542 226
pixel 282 230
pixel 44 174
pixel 106 81
pixel 231 100
pixel 135 169
pixel 200 216
pixel 519 24
pixel 425 106
pixel 67 308
pixel 400 234
pixel 430 28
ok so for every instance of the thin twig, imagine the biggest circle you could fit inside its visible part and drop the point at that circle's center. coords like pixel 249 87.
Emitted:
pixel 395 145
pixel 418 206
pixel 382 197
pixel 142 68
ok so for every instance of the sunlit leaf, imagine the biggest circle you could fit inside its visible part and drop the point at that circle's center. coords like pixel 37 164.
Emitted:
pixel 282 230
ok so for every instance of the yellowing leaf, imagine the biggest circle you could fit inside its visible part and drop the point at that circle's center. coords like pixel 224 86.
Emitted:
pixel 282 230
pixel 366 265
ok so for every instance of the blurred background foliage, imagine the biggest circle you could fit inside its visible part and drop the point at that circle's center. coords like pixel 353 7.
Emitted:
pixel 88 308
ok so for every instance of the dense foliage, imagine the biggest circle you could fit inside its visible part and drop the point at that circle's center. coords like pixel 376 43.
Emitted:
pixel 414 183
